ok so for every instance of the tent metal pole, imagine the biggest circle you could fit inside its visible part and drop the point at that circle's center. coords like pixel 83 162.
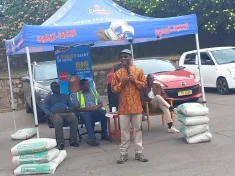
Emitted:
pixel 11 91
pixel 32 91
pixel 132 52
pixel 200 71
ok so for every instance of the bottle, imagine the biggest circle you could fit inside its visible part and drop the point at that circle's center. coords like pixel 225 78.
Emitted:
pixel 74 83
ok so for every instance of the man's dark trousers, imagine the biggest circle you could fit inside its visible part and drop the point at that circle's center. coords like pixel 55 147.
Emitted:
pixel 72 120
pixel 95 116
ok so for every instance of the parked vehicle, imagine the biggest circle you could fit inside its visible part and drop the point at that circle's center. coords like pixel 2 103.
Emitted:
pixel 44 73
pixel 217 67
pixel 178 84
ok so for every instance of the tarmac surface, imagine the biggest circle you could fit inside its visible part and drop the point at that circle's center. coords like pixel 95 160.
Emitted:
pixel 168 154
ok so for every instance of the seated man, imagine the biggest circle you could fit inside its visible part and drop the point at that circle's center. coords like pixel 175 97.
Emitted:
pixel 154 94
pixel 89 103
pixel 60 108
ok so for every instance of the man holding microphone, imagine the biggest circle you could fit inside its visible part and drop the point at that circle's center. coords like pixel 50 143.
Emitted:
pixel 128 82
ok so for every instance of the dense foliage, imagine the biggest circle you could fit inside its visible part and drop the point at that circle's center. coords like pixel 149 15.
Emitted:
pixel 213 15
pixel 19 12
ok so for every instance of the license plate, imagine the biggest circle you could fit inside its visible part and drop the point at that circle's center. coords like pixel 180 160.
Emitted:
pixel 186 92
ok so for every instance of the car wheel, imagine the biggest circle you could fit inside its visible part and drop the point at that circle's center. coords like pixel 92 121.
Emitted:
pixel 222 86
pixel 41 117
pixel 27 107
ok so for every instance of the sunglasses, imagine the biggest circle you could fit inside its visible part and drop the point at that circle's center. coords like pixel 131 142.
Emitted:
pixel 124 56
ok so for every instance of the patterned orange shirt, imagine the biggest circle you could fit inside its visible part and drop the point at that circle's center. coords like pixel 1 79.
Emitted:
pixel 129 97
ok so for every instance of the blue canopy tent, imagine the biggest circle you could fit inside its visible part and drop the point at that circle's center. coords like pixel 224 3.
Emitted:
pixel 97 23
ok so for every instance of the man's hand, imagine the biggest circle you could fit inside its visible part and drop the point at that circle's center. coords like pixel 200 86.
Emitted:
pixel 69 110
pixel 52 116
pixel 132 79
pixel 125 80
pixel 93 108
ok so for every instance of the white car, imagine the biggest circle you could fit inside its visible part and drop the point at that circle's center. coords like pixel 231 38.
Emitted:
pixel 217 66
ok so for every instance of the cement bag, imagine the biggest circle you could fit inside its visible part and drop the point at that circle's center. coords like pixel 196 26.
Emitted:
pixel 189 131
pixel 192 109
pixel 60 158
pixel 36 158
pixel 33 146
pixel 191 121
pixel 204 137
pixel 26 133
pixel 33 169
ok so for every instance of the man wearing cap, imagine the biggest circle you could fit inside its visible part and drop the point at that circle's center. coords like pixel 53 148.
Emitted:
pixel 128 81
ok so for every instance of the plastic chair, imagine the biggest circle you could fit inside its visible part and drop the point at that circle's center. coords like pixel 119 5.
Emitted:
pixel 148 112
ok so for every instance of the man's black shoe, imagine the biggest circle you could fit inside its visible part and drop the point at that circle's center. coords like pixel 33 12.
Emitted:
pixel 74 144
pixel 60 146
pixel 93 142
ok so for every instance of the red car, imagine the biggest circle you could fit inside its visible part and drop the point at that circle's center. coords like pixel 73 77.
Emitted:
pixel 179 84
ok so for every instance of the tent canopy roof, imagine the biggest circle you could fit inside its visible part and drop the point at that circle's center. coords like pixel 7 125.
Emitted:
pixel 100 23
pixel 73 12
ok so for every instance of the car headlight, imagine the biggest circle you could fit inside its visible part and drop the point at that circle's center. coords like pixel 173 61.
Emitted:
pixel 41 91
pixel 161 84
pixel 197 78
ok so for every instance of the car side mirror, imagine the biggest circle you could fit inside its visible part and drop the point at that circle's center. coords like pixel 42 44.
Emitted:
pixel 26 79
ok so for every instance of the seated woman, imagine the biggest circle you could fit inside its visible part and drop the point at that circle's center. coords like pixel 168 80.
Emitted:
pixel 154 94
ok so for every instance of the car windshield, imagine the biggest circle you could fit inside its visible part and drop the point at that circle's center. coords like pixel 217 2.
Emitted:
pixel 224 56
pixel 45 72
pixel 157 66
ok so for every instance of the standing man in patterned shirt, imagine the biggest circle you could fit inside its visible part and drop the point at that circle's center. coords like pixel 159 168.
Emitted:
pixel 128 81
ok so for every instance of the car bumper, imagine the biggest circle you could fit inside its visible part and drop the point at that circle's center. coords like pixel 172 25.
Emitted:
pixel 231 81
pixel 173 93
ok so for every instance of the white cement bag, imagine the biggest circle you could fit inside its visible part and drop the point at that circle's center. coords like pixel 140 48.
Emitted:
pixel 33 146
pixel 192 109
pixel 191 121
pixel 204 137
pixel 33 169
pixel 26 133
pixel 36 158
pixel 60 158
pixel 189 131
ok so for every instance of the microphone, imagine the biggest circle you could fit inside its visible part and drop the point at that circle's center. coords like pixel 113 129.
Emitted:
pixel 127 69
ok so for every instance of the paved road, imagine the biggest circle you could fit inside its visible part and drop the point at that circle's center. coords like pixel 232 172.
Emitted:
pixel 169 155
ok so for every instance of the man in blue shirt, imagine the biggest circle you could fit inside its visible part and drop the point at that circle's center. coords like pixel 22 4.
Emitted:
pixel 89 103
pixel 59 108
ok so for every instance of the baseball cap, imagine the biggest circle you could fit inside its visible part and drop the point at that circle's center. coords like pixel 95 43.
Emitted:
pixel 126 51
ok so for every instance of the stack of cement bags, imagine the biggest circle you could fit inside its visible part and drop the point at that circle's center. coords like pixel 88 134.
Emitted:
pixel 37 156
pixel 195 122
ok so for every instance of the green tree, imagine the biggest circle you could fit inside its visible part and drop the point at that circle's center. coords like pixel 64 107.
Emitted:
pixel 213 15
pixel 32 12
